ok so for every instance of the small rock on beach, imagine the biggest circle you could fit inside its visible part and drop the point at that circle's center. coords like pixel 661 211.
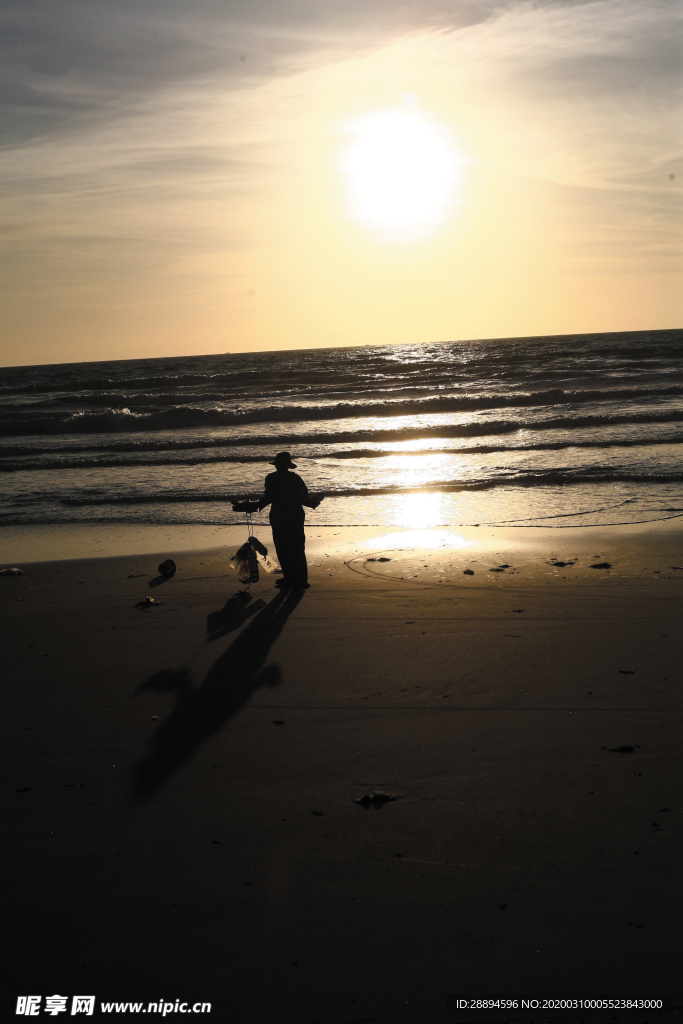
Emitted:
pixel 376 799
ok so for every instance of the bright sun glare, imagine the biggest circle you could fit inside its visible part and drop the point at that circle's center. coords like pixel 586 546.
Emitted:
pixel 402 170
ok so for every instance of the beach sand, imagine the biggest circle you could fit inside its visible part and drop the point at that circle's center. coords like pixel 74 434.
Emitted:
pixel 181 800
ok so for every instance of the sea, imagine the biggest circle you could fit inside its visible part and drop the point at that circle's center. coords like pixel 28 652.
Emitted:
pixel 559 431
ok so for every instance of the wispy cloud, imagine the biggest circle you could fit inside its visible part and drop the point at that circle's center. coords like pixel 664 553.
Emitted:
pixel 60 63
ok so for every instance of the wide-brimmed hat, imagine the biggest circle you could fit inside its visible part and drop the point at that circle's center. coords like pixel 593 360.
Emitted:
pixel 284 460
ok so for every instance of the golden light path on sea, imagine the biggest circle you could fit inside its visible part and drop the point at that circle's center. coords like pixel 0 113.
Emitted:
pixel 420 511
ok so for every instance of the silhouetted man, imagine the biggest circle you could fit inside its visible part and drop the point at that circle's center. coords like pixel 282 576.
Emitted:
pixel 286 493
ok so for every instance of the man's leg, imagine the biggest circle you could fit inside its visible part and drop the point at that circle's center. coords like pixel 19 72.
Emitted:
pixel 299 563
pixel 290 546
pixel 283 552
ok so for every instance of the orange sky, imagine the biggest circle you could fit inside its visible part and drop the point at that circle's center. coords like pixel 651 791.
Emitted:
pixel 208 210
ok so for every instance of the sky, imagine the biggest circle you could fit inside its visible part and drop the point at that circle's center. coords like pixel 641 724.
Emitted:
pixel 184 178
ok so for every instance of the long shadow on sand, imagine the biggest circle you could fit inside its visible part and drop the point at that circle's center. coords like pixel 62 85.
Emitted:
pixel 228 685
pixel 236 610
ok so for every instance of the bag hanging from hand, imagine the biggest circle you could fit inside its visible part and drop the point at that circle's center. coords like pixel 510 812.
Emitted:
pixel 262 551
pixel 246 563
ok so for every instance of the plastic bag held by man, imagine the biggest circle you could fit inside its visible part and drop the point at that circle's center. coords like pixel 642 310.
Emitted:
pixel 269 564
pixel 246 563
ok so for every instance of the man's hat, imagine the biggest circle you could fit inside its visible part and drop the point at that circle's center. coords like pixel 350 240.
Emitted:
pixel 283 460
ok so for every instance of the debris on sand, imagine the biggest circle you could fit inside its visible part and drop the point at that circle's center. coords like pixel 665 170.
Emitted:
pixel 518 610
pixel 468 572
pixel 147 602
pixel 378 799
pixel 134 575
pixel 496 570
pixel 601 565
pixel 378 559
pixel 625 748
pixel 13 571
pixel 166 568
pixel 505 566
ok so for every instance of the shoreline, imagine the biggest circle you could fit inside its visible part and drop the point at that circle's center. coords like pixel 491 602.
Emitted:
pixel 66 542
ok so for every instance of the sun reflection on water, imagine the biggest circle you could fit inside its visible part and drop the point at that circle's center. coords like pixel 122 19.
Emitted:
pixel 421 511
pixel 418 470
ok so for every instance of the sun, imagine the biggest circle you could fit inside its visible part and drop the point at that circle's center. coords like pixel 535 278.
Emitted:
pixel 402 170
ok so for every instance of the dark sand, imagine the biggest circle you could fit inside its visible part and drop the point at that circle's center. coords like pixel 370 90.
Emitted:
pixel 169 840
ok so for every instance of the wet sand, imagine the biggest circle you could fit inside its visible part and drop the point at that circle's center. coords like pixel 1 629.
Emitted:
pixel 181 796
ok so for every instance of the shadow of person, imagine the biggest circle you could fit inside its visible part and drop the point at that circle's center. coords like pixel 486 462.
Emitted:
pixel 228 685
pixel 236 610
pixel 169 680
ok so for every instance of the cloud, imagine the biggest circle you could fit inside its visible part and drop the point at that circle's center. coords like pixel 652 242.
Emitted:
pixel 59 61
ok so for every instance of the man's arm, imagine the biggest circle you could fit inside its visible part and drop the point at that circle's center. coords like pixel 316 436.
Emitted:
pixel 249 506
pixel 305 498
pixel 254 506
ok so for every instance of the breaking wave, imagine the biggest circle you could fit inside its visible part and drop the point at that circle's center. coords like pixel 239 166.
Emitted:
pixel 186 417
pixel 520 479
pixel 181 417
pixel 200 454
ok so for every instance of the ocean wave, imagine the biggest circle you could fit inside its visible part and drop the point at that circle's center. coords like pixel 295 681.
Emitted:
pixel 256 376
pixel 104 445
pixel 117 401
pixel 185 417
pixel 65 384
pixel 557 358
pixel 207 457
pixel 553 477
